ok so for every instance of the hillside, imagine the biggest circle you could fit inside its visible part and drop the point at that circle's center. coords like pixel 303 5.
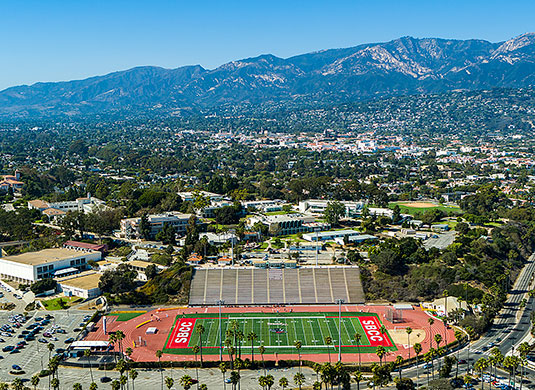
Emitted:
pixel 399 67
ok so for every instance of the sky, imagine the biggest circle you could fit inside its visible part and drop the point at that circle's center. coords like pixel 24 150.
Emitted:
pixel 56 40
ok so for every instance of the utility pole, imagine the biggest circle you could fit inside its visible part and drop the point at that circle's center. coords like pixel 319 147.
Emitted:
pixel 339 301
pixel 220 302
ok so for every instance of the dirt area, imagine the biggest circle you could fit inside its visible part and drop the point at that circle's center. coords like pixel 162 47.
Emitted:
pixel 418 204
pixel 399 336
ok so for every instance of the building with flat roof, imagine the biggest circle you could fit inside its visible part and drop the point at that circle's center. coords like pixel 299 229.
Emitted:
pixel 30 267
pixel 330 235
pixel 284 224
pixel 84 285
pixel 131 227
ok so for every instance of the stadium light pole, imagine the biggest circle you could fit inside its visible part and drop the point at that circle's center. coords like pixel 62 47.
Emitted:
pixel 220 302
pixel 339 301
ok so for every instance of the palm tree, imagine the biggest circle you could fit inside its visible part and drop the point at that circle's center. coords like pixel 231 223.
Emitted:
pixel 123 380
pixel 169 382
pixel 431 321
pixel 438 340
pixel 269 381
pixel 262 349
pixel 234 379
pixel 317 369
pixel 316 385
pixel 417 351
pixel 445 294
pixel 380 351
pixel 328 342
pixel 203 387
pixel 119 336
pixel 252 336
pixel 239 337
pixel 55 383
pixel 480 366
pixel 298 346
pixel 4 386
pixel 358 378
pixel 408 329
pixel 186 382
pixel 398 362
pixel 115 385
pixel 93 386
pixel 283 382
pixel 17 384
pixel 299 379
pixel 87 354
pixel 159 354
pixel 357 338
pixel 133 376
pixel 112 339
pixel 200 331
pixel 196 350
pixel 77 386
pixel 223 369
pixel 458 336
pixel 35 381
pixel 428 358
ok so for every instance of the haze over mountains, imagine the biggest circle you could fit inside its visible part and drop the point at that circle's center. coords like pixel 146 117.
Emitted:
pixel 402 66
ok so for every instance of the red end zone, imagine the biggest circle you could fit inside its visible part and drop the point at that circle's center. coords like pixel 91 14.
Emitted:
pixel 181 333
pixel 372 328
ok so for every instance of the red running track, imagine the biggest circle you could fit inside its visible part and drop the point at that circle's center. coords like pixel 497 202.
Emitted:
pixel 164 320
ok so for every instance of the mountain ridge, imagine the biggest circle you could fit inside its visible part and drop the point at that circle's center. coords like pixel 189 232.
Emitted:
pixel 402 66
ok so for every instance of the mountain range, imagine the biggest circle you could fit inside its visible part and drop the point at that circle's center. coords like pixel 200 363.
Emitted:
pixel 403 66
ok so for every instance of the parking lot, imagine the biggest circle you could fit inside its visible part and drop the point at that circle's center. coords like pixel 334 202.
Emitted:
pixel 33 357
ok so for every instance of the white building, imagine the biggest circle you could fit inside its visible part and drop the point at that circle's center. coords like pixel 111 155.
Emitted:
pixel 281 225
pixel 189 196
pixel 131 227
pixel 318 206
pixel 330 235
pixel 83 286
pixel 85 205
pixel 47 263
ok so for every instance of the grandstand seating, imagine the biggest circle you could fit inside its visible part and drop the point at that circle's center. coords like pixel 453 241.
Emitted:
pixel 248 286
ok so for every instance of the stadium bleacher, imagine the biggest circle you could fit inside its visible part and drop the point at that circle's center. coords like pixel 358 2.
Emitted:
pixel 248 286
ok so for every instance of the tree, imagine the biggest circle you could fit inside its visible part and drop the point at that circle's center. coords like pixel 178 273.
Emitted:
pixel 481 366
pixel 298 346
pixel 200 331
pixel 283 382
pixel 417 350
pixel 299 379
pixel 186 382
pixel 358 378
pixel 17 384
pixel 234 379
pixel 159 354
pixel 408 330
pixel 269 381
pixel 223 369
pixel 328 342
pixel 380 351
pixel 357 338
pixel 333 212
pixel 133 376
pixel 262 350
pixel 169 382
pixel 404 384
pixel 35 381
pixel 55 383
pixel 144 227
pixel 252 336
pixel 93 386
pixel 87 354
pixel 398 362
pixel 43 285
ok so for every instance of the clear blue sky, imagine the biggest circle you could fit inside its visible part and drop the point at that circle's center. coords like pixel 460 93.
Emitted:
pixel 51 40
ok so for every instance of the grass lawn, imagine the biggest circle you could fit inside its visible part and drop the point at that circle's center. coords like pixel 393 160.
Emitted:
pixel 414 210
pixel 126 316
pixel 55 303
pixel 281 212
pixel 278 332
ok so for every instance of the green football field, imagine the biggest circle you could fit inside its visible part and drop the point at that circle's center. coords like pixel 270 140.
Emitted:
pixel 279 332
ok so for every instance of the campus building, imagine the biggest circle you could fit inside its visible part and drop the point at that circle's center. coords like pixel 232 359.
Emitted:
pixel 131 227
pixel 48 263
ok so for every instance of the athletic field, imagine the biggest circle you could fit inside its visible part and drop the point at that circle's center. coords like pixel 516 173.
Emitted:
pixel 279 332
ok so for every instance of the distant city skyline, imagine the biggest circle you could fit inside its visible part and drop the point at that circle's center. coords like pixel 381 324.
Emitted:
pixel 59 40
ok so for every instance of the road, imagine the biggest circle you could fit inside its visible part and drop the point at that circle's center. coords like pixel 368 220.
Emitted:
pixel 509 328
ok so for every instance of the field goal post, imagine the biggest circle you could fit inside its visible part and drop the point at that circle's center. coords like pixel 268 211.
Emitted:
pixel 395 316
